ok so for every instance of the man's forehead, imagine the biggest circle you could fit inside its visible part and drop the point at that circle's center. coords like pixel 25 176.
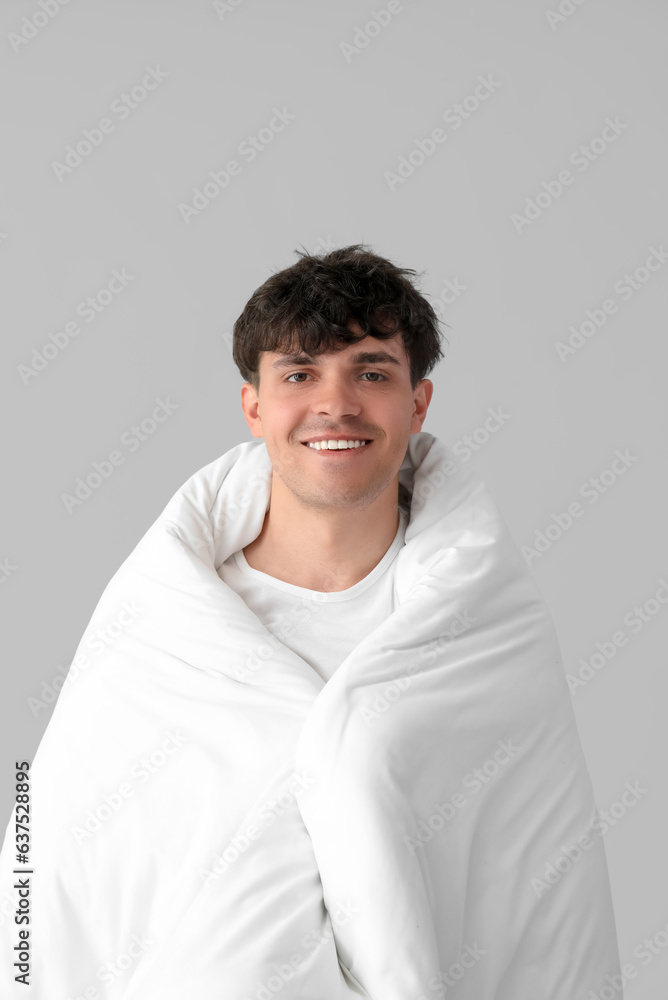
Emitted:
pixel 367 350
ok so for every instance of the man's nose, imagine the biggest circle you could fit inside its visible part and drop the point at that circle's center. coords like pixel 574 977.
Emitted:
pixel 336 395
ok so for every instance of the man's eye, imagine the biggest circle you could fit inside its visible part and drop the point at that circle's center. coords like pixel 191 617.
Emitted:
pixel 379 374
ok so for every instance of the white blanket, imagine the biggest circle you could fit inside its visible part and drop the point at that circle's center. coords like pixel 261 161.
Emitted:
pixel 211 820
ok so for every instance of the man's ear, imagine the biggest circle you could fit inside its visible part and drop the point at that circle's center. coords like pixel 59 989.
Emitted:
pixel 250 406
pixel 422 398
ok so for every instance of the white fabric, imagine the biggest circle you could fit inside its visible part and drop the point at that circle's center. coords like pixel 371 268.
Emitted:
pixel 322 627
pixel 325 895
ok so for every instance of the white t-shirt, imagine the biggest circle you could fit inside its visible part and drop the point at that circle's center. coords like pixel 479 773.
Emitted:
pixel 322 628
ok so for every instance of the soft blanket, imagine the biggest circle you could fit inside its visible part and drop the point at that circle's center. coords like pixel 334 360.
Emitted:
pixel 211 820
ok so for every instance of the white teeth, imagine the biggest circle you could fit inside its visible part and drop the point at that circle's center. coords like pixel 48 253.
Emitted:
pixel 335 445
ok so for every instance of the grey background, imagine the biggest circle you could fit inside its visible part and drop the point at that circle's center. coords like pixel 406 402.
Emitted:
pixel 319 183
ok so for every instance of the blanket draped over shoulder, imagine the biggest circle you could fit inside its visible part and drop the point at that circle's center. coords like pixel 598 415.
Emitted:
pixel 212 820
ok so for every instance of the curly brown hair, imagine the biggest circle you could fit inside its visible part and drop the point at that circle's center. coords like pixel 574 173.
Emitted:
pixel 306 307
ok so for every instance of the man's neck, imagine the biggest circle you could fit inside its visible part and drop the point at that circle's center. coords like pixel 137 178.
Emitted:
pixel 324 553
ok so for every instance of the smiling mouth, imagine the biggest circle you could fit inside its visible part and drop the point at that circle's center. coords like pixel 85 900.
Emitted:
pixel 345 447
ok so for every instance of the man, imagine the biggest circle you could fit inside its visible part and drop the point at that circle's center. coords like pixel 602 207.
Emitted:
pixel 333 752
pixel 338 506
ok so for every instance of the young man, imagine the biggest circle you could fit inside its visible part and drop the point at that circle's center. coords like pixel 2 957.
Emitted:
pixel 333 753
pixel 335 526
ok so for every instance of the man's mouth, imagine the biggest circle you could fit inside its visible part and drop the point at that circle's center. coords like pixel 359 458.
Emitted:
pixel 336 446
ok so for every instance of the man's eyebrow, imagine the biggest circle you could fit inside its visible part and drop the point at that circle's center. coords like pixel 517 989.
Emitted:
pixel 361 358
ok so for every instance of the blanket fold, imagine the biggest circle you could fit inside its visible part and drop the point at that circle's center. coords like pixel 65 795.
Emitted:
pixel 211 819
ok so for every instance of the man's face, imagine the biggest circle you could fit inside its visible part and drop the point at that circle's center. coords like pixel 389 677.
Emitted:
pixel 337 395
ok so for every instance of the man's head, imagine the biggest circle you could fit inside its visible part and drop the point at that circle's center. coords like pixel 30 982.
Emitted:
pixel 299 344
pixel 308 307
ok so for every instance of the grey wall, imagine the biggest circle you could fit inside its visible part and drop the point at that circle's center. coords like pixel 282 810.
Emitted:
pixel 592 257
